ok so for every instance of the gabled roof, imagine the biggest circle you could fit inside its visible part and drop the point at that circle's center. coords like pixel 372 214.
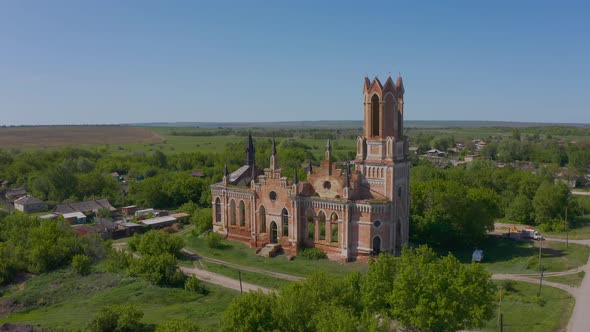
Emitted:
pixel 28 200
pixel 16 192
pixel 85 206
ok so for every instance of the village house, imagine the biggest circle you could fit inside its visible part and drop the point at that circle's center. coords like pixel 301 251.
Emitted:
pixel 29 204
pixel 349 210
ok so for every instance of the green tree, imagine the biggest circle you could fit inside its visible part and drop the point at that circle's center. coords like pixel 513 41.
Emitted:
pixel 549 202
pixel 252 311
pixel 213 240
pixel 82 264
pixel 377 284
pixel 520 209
pixel 159 159
pixel 157 243
pixel 440 294
pixel 157 269
pixel 194 285
pixel 202 219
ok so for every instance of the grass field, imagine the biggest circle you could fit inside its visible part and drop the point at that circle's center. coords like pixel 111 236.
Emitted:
pixel 239 253
pixel 512 256
pixel 62 300
pixel 523 313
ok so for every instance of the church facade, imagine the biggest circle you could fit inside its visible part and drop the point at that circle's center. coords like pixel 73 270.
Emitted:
pixel 349 210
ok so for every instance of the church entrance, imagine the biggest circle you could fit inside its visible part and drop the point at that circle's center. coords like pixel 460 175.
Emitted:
pixel 274 232
pixel 376 245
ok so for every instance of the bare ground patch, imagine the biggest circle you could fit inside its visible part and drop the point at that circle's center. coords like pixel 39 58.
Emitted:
pixel 54 136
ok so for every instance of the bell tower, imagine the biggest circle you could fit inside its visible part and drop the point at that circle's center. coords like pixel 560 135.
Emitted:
pixel 382 157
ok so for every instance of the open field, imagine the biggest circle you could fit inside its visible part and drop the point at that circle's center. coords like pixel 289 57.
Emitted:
pixel 239 253
pixel 63 300
pixel 57 136
pixel 522 312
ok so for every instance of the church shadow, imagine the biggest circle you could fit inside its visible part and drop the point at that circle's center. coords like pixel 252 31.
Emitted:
pixel 499 249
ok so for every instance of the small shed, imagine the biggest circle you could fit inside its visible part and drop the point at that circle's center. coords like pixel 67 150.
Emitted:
pixel 75 218
pixel 128 210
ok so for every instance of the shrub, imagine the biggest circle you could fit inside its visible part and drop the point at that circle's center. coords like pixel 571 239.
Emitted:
pixel 118 260
pixel 213 240
pixel 82 264
pixel 312 253
pixel 192 284
pixel 178 325
pixel 117 318
pixel 508 286
pixel 159 270
pixel 157 243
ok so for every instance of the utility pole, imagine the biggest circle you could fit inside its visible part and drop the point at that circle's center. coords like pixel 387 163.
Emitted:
pixel 567 230
pixel 541 280
pixel 240 277
pixel 540 251
pixel 500 311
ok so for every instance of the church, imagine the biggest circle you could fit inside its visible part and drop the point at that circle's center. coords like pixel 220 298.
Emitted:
pixel 350 210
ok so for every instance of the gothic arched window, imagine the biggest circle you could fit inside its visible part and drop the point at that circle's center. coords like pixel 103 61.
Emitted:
pixel 285 221
pixel 217 210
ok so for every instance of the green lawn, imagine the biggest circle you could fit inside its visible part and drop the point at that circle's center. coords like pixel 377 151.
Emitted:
pixel 522 312
pixel 62 300
pixel 574 280
pixel 239 253
pixel 512 256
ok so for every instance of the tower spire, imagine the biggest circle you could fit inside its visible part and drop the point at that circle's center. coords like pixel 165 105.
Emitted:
pixel 328 153
pixel 309 168
pixel 250 151
pixel 274 147
pixel 273 155
pixel 225 171
pixel 295 179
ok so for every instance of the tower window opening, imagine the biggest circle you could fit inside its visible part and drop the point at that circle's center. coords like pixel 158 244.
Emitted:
pixel 375 120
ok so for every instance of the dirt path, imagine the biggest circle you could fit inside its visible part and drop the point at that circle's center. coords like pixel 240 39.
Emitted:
pixel 579 320
pixel 222 280
pixel 243 267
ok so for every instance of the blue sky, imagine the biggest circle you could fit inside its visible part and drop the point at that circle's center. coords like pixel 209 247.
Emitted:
pixel 84 62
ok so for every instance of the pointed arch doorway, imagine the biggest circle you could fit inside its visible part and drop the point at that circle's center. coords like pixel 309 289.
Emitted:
pixel 376 245
pixel 274 232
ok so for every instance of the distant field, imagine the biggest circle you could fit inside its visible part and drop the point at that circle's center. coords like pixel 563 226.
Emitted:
pixel 57 136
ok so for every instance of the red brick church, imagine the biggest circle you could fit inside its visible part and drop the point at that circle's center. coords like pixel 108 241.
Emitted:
pixel 349 210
